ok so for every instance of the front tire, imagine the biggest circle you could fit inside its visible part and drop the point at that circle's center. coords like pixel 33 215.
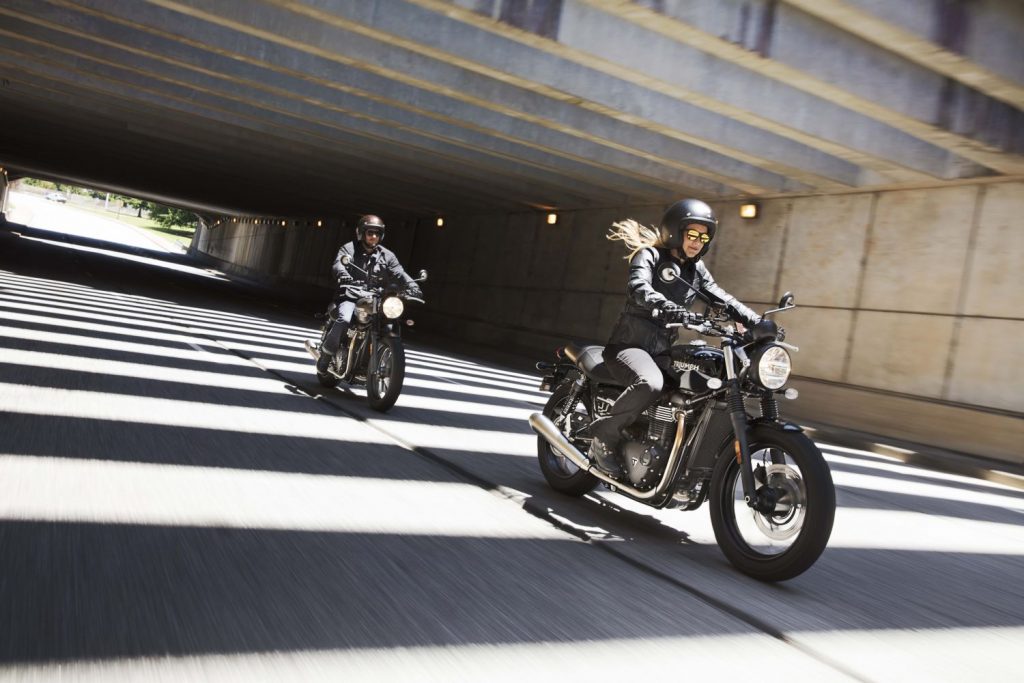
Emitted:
pixel 785 543
pixel 386 374
pixel 561 474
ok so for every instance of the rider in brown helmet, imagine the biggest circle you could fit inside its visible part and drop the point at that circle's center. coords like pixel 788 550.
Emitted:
pixel 367 255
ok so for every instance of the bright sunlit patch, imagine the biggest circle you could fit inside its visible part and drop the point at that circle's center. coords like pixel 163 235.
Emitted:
pixel 94 405
pixel 475 391
pixel 416 369
pixel 70 490
pixel 86 326
pixel 933 654
pixel 196 354
pixel 62 288
pixel 129 309
pixel 915 531
pixel 159 373
pixel 521 443
pixel 944 488
pixel 165 322
pixel 462 364
pixel 468 372
pixel 949 654
pixel 159 263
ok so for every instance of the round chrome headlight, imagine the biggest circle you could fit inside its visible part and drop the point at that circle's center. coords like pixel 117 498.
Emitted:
pixel 392 307
pixel 773 367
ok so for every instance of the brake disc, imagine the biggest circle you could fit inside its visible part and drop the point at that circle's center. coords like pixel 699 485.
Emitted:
pixel 786 520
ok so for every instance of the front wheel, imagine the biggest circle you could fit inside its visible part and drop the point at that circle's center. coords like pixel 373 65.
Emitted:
pixel 785 542
pixel 386 373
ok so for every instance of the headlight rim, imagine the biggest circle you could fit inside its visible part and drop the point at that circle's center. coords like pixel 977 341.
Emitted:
pixel 388 307
pixel 756 366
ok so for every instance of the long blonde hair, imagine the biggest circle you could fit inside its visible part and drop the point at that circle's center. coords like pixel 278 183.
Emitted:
pixel 635 236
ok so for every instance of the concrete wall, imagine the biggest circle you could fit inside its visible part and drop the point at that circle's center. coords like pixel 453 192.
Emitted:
pixel 911 302
pixel 288 251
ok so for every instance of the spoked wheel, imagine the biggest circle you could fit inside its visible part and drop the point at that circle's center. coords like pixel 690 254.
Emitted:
pixel 561 474
pixel 386 374
pixel 785 542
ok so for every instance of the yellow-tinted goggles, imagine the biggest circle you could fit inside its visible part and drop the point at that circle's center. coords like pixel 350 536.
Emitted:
pixel 694 235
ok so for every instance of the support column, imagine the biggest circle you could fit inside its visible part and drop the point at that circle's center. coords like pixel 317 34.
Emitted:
pixel 3 196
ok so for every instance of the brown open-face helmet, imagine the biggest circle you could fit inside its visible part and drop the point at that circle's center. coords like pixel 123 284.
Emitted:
pixel 686 212
pixel 369 222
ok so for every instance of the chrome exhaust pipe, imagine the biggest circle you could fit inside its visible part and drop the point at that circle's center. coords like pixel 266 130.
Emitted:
pixel 547 430
pixel 314 350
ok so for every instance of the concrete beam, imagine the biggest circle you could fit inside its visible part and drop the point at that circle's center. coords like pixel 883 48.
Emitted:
pixel 223 71
pixel 494 62
pixel 802 46
pixel 913 46
pixel 644 75
pixel 232 112
pixel 389 126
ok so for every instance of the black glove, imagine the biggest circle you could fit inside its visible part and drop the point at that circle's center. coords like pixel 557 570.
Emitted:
pixel 674 313
pixel 414 292
pixel 345 279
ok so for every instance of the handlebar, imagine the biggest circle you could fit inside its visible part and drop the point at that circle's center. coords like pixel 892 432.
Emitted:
pixel 359 291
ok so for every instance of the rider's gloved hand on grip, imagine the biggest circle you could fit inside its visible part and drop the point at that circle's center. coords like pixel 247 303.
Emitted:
pixel 414 292
pixel 345 279
pixel 674 313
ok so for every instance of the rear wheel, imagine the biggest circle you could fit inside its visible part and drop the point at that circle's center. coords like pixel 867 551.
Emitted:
pixel 386 373
pixel 327 380
pixel 561 474
pixel 785 542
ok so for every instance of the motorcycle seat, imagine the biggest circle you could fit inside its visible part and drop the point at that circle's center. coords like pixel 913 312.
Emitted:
pixel 589 360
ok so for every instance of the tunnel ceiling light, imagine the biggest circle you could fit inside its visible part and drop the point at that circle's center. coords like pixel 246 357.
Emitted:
pixel 440 222
pixel 319 224
pixel 552 218
pixel 750 210
pixel 282 222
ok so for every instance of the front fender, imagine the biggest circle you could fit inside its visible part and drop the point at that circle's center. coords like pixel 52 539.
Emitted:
pixel 773 424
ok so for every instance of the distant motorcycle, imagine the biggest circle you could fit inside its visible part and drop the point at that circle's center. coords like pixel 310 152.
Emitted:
pixel 374 356
pixel 771 491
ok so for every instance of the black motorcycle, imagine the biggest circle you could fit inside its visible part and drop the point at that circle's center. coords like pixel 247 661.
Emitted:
pixel 371 354
pixel 771 492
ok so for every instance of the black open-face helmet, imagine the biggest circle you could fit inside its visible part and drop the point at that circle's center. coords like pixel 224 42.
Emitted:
pixel 683 213
pixel 369 222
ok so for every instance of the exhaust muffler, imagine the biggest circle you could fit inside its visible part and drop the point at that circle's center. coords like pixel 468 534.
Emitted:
pixel 547 430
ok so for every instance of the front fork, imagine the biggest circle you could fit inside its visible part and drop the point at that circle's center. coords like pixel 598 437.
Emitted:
pixel 758 500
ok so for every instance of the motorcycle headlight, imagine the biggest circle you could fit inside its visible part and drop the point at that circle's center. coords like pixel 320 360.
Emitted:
pixel 392 307
pixel 773 367
pixel 364 307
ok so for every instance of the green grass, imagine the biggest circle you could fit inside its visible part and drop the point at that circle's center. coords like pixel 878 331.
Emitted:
pixel 182 235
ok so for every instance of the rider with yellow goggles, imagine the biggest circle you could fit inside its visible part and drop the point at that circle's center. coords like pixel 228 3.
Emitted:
pixel 665 274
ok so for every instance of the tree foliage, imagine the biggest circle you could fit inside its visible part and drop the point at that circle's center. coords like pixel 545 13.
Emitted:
pixel 170 217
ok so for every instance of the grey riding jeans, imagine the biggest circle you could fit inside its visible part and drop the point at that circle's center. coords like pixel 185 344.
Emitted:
pixel 635 369
pixel 339 325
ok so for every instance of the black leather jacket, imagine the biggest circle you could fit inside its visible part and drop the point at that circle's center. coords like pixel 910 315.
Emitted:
pixel 646 291
pixel 379 258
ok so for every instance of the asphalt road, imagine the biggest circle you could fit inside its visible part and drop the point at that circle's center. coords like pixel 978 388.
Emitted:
pixel 179 500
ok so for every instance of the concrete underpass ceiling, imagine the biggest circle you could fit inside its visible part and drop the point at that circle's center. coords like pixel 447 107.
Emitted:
pixel 328 107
